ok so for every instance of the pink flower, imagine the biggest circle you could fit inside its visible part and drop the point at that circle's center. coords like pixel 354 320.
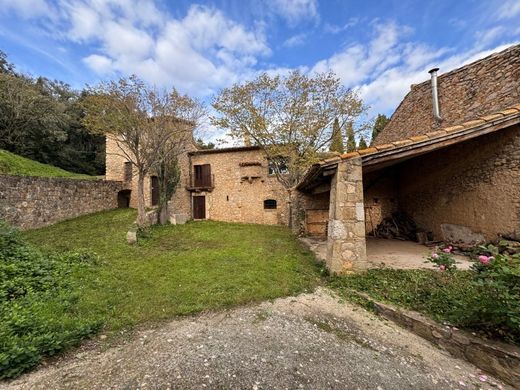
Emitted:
pixel 435 256
pixel 447 250
pixel 442 267
pixel 484 259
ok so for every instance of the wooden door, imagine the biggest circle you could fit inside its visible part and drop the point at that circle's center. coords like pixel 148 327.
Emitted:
pixel 199 207
pixel 155 190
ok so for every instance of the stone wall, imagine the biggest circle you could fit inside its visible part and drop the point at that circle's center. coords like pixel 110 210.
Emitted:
pixel 239 191
pixel 475 184
pixel 381 198
pixel 115 170
pixel 483 87
pixel 32 202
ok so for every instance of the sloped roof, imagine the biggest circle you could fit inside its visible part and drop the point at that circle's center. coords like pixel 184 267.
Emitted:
pixel 417 145
pixel 479 88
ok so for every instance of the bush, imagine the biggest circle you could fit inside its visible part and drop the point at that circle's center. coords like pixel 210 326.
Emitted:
pixel 38 298
pixel 443 259
pixel 498 280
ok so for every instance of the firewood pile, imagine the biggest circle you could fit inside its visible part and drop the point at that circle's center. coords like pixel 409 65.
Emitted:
pixel 399 226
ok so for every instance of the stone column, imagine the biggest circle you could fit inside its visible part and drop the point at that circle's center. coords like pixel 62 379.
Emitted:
pixel 346 245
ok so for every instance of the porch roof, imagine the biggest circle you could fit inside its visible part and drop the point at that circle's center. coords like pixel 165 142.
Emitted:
pixel 384 155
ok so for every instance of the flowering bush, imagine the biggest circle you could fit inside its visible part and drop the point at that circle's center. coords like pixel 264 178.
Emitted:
pixel 443 259
pixel 498 277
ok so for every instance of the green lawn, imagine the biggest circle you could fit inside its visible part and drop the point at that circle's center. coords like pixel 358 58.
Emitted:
pixel 178 270
pixel 13 164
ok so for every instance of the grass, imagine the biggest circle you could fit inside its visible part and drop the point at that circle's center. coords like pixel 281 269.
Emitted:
pixel 447 297
pixel 15 165
pixel 178 270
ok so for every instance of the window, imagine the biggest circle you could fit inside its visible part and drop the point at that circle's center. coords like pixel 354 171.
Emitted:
pixel 128 171
pixel 202 176
pixel 280 164
pixel 269 204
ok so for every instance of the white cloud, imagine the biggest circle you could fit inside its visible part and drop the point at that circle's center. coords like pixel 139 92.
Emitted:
pixel 335 29
pixel 295 40
pixel 27 9
pixel 508 9
pixel 100 64
pixel 295 11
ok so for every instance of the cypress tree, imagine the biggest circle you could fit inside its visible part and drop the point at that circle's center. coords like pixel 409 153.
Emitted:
pixel 351 141
pixel 336 143
pixel 362 143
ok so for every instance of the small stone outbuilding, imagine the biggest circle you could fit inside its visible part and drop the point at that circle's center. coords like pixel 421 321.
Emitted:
pixel 460 167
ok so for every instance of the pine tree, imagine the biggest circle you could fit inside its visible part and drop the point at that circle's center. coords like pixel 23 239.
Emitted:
pixel 362 143
pixel 351 141
pixel 336 143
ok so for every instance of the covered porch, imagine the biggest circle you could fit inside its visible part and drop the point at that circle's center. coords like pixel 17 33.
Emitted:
pixel 460 178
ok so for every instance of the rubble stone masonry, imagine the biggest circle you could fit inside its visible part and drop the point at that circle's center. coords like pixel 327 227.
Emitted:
pixel 480 88
pixel 32 202
pixel 241 185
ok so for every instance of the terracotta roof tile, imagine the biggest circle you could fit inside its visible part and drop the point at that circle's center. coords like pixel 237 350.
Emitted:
pixel 402 142
pixel 517 107
pixel 332 160
pixel 367 151
pixel 435 134
pixel 349 155
pixel 453 129
pixel 385 146
pixel 474 123
pixel 489 118
pixel 510 111
pixel 418 138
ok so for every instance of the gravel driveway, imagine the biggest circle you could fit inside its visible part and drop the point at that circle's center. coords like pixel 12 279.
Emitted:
pixel 312 341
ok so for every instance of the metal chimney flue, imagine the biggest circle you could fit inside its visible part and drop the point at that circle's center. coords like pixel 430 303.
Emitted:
pixel 435 94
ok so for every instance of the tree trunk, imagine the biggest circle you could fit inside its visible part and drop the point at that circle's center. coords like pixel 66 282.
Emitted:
pixel 141 210
pixel 164 214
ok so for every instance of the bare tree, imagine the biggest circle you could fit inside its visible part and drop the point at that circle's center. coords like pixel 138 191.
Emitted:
pixel 290 118
pixel 151 127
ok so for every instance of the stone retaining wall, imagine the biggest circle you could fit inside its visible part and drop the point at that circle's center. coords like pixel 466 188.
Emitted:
pixel 32 202
pixel 499 359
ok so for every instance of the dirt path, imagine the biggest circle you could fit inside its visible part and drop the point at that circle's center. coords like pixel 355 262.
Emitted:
pixel 312 341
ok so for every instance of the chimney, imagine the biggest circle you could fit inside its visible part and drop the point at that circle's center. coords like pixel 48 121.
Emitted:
pixel 435 94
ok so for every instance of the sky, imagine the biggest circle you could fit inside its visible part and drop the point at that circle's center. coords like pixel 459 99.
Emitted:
pixel 377 47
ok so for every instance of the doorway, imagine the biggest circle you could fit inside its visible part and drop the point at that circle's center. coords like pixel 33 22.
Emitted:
pixel 199 207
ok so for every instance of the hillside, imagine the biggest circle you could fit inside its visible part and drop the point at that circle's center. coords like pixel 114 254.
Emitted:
pixel 13 164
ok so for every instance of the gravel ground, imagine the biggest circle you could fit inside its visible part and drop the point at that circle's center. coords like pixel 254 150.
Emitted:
pixel 312 341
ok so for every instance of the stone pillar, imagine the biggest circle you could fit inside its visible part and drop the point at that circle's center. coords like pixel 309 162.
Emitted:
pixel 346 245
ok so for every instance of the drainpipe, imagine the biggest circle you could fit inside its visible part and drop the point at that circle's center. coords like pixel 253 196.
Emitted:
pixel 435 94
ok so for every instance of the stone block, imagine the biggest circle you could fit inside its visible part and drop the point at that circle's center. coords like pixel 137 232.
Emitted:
pixel 179 219
pixel 131 236
pixel 461 234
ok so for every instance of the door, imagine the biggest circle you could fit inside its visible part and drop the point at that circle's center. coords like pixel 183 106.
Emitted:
pixel 199 207
pixel 155 190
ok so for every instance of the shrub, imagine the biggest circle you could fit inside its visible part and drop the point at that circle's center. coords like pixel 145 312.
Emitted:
pixel 443 259
pixel 38 298
pixel 498 279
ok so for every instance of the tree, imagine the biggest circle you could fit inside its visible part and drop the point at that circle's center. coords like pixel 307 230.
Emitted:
pixel 151 127
pixel 362 143
pixel 351 139
pixel 336 144
pixel 379 124
pixel 5 66
pixel 205 145
pixel 289 117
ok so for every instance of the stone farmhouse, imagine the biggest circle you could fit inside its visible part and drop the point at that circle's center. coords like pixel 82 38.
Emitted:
pixel 230 184
pixel 449 155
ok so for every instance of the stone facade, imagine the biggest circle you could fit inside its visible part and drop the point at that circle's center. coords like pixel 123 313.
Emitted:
pixel 33 202
pixel 346 246
pixel 116 170
pixel 480 88
pixel 241 185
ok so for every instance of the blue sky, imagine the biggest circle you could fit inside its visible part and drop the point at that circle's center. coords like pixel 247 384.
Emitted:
pixel 377 47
